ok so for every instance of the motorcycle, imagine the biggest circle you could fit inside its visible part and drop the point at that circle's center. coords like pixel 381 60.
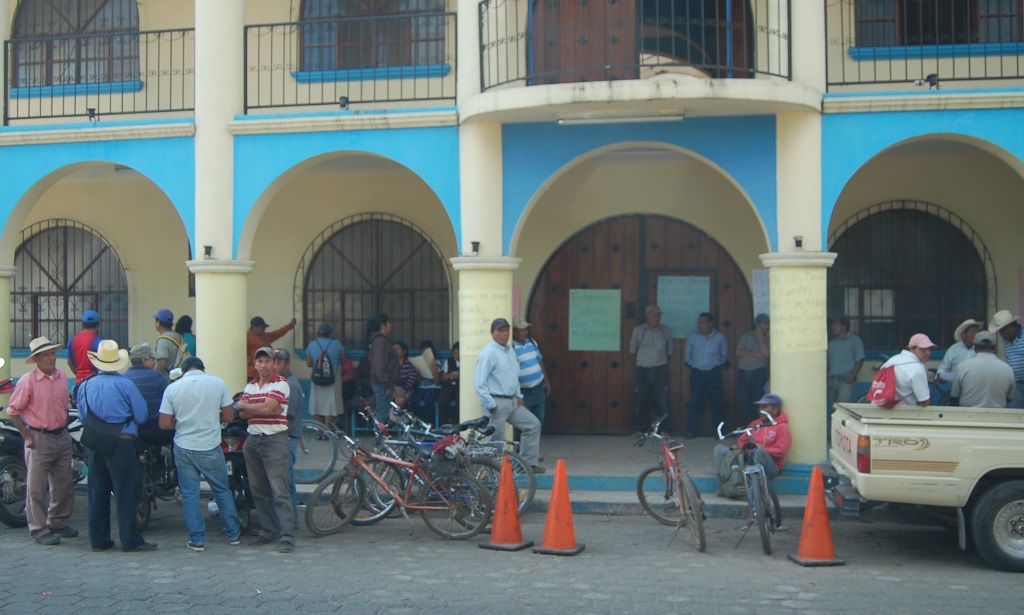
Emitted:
pixel 13 472
pixel 159 480
pixel 233 437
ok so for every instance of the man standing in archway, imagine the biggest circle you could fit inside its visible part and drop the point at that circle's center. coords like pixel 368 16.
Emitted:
pixel 707 351
pixel 651 342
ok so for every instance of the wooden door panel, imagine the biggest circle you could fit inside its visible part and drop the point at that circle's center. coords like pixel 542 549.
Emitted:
pixel 593 392
pixel 584 40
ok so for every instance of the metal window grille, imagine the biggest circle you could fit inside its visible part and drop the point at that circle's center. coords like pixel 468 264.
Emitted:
pixel 908 267
pixel 62 269
pixel 373 263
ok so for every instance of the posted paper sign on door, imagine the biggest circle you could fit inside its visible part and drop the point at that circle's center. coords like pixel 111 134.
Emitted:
pixel 595 320
pixel 682 299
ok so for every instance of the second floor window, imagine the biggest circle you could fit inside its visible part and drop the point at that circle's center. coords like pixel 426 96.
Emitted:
pixel 357 34
pixel 912 23
pixel 75 42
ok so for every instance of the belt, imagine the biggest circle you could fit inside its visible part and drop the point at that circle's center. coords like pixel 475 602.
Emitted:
pixel 539 386
pixel 502 396
pixel 49 431
pixel 267 435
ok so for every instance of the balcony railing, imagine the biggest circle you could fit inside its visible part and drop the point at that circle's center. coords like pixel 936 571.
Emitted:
pixel 99 75
pixel 534 43
pixel 396 58
pixel 926 42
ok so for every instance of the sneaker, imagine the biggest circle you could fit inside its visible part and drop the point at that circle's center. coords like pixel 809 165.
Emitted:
pixel 538 469
pixel 285 547
pixel 541 458
pixel 49 540
pixel 142 547
pixel 259 541
pixel 235 542
pixel 65 532
pixel 194 547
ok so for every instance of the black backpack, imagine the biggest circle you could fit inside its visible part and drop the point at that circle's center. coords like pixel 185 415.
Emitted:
pixel 323 371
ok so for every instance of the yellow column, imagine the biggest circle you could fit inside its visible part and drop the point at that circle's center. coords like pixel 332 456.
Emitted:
pixel 221 308
pixel 485 293
pixel 6 275
pixel 799 342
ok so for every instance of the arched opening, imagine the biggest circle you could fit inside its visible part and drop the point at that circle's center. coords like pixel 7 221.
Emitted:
pixel 592 391
pixel 62 269
pixel 908 267
pixel 372 263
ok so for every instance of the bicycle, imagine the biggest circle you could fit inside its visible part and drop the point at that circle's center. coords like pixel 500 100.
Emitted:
pixel 668 493
pixel 318 453
pixel 762 502
pixel 453 505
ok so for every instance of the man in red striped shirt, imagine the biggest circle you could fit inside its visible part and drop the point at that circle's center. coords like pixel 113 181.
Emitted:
pixel 264 404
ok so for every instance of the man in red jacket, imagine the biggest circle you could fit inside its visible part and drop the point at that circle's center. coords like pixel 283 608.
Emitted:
pixel 257 337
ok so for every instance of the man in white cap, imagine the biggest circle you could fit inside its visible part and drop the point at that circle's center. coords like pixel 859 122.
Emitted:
pixel 959 352
pixel 1006 325
pixel 39 407
pixel 911 373
pixel 983 381
pixel 115 400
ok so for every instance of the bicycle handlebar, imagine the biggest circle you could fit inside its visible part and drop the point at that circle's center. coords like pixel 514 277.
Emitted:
pixel 749 430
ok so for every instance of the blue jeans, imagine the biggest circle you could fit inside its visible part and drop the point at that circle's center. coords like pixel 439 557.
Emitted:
pixel 293 451
pixel 382 402
pixel 266 459
pixel 1018 396
pixel 704 384
pixel 211 465
pixel 115 472
pixel 536 401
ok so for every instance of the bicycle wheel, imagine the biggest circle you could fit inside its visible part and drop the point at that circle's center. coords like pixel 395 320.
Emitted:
pixel 693 510
pixel 334 502
pixel 378 503
pixel 487 470
pixel 759 499
pixel 317 454
pixel 462 506
pixel 657 495
pixel 526 480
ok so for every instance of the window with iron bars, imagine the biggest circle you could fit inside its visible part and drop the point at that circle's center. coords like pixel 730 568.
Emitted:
pixel 75 42
pixel 907 267
pixel 369 264
pixel 909 23
pixel 63 268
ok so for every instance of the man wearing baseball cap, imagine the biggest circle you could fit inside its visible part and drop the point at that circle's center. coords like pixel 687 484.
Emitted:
pixel 983 381
pixel 88 339
pixel 911 373
pixel 258 337
pixel 170 345
pixel 1008 327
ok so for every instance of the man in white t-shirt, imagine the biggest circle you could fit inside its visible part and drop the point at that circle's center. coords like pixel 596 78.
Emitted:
pixel 911 373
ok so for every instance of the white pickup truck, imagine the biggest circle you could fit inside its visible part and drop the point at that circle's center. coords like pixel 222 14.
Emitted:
pixel 970 460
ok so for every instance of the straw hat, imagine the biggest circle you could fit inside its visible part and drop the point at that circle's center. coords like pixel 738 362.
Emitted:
pixel 39 345
pixel 108 358
pixel 958 335
pixel 1000 320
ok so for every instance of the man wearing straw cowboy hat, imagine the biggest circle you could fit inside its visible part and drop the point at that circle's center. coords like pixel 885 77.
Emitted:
pixel 39 407
pixel 114 400
pixel 1008 328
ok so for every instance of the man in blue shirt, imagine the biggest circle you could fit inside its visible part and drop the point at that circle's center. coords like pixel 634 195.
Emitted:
pixel 1008 327
pixel 114 399
pixel 151 384
pixel 497 385
pixel 194 406
pixel 707 351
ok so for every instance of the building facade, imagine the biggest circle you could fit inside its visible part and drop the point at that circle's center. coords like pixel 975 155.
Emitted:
pixel 451 161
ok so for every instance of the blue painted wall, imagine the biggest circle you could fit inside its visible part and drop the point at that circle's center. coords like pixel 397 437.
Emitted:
pixel 849 140
pixel 743 147
pixel 431 153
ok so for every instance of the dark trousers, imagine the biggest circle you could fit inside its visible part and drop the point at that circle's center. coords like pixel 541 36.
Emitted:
pixel 704 384
pixel 751 389
pixel 651 385
pixel 449 395
pixel 266 460
pixel 115 472
pixel 536 401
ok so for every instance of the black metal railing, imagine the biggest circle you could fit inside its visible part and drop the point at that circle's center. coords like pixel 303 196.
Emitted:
pixel 922 42
pixel 395 58
pixel 99 75
pixel 535 43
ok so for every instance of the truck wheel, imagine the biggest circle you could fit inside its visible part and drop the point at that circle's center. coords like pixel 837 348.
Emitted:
pixel 997 526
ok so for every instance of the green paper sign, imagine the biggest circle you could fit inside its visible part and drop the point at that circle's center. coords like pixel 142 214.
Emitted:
pixel 595 319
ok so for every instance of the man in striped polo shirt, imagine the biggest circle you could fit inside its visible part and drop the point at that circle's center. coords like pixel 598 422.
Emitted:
pixel 264 404
pixel 1008 328
pixel 532 379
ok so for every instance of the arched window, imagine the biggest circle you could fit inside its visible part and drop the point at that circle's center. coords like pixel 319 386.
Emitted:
pixel 75 42
pixel 62 269
pixel 353 34
pixel 908 267
pixel 374 263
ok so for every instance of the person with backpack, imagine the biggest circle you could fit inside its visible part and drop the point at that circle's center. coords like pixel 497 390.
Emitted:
pixel 325 355
pixel 910 375
pixel 774 440
pixel 170 348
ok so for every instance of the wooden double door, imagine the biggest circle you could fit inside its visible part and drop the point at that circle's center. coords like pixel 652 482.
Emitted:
pixel 594 391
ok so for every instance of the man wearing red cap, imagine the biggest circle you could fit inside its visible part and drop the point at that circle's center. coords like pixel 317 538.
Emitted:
pixel 911 373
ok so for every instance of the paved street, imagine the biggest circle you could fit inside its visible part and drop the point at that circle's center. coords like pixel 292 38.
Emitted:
pixel 628 567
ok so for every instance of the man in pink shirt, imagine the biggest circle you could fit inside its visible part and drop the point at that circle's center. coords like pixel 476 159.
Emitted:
pixel 39 407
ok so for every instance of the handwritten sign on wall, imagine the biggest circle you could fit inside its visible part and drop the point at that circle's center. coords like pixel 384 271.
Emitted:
pixel 477 308
pixel 595 319
pixel 682 299
pixel 762 294
pixel 798 309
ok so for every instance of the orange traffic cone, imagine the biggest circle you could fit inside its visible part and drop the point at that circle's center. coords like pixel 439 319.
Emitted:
pixel 816 536
pixel 506 535
pixel 559 537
